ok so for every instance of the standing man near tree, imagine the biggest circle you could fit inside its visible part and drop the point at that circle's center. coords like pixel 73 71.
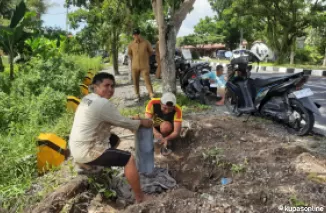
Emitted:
pixel 158 60
pixel 139 51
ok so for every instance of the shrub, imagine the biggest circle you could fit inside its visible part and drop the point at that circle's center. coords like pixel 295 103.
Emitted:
pixel 33 103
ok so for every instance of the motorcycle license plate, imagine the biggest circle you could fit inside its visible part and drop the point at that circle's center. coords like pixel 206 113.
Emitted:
pixel 303 93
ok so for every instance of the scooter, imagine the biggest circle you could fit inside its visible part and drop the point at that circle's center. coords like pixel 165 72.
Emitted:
pixel 193 85
pixel 281 98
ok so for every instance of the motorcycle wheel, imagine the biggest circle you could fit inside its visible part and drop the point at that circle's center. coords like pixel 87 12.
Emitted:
pixel 231 103
pixel 203 99
pixel 301 120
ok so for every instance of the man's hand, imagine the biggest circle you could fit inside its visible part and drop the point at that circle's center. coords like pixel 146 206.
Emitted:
pixel 147 123
pixel 135 117
pixel 158 135
pixel 164 142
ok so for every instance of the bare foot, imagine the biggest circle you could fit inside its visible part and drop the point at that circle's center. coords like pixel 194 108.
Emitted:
pixel 220 103
pixel 146 197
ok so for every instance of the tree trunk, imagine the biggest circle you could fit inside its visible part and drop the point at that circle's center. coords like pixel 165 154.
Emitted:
pixel 324 62
pixel 167 38
pixel 241 38
pixel 281 56
pixel 293 48
pixel 2 67
pixel 115 53
pixel 11 61
pixel 292 57
pixel 169 76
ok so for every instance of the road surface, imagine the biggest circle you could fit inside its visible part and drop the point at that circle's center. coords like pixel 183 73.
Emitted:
pixel 318 86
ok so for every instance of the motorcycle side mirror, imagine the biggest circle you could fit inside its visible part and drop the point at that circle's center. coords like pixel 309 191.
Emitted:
pixel 228 54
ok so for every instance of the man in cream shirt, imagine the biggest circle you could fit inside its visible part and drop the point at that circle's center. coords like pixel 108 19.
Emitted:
pixel 91 142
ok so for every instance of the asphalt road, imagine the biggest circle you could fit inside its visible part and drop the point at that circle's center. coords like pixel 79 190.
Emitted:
pixel 318 86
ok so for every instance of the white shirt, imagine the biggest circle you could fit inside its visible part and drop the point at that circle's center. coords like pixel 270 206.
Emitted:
pixel 90 133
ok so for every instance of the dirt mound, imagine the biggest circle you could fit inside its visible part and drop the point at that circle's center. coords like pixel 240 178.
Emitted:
pixel 266 166
pixel 261 164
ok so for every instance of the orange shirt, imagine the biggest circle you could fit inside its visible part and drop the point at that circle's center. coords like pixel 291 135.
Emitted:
pixel 154 108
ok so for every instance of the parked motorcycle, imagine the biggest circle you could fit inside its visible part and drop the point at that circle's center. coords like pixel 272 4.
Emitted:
pixel 181 63
pixel 281 98
pixel 193 85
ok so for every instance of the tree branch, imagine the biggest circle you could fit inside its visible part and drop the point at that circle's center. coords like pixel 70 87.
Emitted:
pixel 182 13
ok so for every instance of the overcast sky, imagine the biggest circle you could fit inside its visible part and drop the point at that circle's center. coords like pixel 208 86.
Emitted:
pixel 56 16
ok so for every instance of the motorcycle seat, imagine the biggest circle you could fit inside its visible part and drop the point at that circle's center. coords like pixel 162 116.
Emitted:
pixel 260 82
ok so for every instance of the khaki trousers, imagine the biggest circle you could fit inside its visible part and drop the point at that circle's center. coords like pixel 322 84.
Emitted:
pixel 146 77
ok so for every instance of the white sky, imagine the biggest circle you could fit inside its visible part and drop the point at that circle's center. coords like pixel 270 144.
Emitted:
pixel 56 16
pixel 201 10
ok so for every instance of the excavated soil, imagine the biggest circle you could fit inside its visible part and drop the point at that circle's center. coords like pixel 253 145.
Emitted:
pixel 267 170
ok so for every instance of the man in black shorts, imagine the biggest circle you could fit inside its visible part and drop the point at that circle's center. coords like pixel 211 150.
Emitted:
pixel 167 117
pixel 91 141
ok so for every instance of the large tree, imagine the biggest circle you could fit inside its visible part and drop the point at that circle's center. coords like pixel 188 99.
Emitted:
pixel 169 16
pixel 233 27
pixel 105 22
pixel 285 20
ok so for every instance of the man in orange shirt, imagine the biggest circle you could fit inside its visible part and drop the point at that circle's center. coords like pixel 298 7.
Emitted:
pixel 139 52
pixel 167 117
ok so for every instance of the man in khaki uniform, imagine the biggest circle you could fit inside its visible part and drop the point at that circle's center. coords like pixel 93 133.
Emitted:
pixel 139 51
pixel 158 60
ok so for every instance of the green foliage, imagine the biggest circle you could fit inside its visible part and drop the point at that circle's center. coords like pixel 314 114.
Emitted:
pixel 6 7
pixel 213 155
pixel 238 168
pixel 43 47
pixel 308 55
pixel 296 202
pixel 189 105
pixel 13 36
pixel 36 103
pixel 18 14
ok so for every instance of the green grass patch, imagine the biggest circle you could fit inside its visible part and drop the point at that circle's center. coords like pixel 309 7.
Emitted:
pixel 86 63
pixel 131 111
pixel 317 178
pixel 183 101
pixel 189 105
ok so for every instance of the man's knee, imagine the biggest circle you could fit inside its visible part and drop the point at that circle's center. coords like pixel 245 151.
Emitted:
pixel 131 161
pixel 166 128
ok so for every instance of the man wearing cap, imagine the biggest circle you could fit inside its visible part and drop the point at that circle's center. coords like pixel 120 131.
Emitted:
pixel 139 51
pixel 167 117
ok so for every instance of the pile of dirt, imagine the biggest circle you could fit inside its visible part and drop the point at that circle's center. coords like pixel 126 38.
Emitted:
pixel 266 171
pixel 268 168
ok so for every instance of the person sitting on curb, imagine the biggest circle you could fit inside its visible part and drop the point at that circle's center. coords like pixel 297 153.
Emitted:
pixel 167 118
pixel 217 83
pixel 91 142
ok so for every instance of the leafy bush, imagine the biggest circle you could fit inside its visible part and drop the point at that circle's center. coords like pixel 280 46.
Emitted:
pixel 308 55
pixel 33 103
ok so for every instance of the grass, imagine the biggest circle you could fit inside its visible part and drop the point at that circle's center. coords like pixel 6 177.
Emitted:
pixel 303 66
pixel 183 101
pixel 5 60
pixel 18 149
pixel 87 63
pixel 317 178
